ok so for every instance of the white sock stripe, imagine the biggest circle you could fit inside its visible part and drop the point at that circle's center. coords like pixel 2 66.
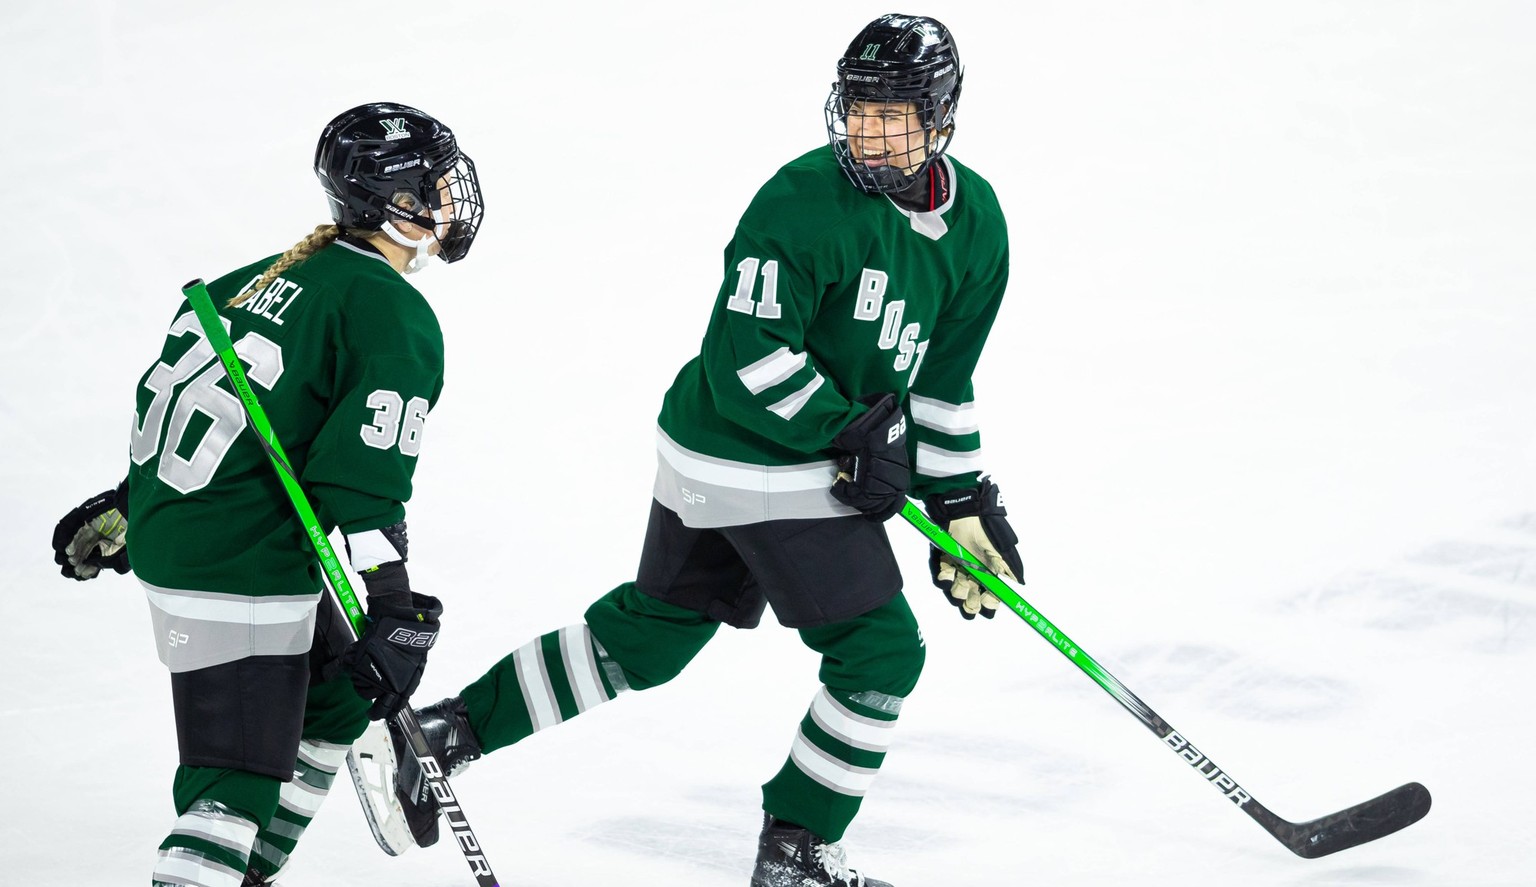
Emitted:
pixel 611 669
pixel 300 797
pixel 282 828
pixel 848 727
pixel 581 666
pixel 179 865
pixel 539 699
pixel 271 854
pixel 231 832
pixel 837 775
pixel 324 756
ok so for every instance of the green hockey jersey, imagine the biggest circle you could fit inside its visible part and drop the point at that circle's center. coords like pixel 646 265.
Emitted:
pixel 831 295
pixel 347 359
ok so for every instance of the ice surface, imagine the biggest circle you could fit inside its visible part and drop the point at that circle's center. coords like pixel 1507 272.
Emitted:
pixel 1261 399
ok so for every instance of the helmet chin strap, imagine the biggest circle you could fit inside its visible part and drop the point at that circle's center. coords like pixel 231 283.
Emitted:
pixel 422 257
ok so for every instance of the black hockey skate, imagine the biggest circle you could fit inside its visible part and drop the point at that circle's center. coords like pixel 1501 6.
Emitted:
pixel 396 795
pixel 445 724
pixel 791 856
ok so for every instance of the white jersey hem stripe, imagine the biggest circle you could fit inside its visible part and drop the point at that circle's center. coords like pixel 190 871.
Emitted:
pixel 239 609
pixel 743 476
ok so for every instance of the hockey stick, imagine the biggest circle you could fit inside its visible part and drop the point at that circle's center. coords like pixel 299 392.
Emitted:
pixel 1367 821
pixel 343 595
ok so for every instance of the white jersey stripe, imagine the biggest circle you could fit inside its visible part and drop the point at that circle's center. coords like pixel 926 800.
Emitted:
pixel 839 776
pixel 543 710
pixel 771 370
pixel 789 406
pixel 936 462
pixel 240 609
pixel 743 476
pixel 847 727
pixel 179 865
pixel 941 416
pixel 581 666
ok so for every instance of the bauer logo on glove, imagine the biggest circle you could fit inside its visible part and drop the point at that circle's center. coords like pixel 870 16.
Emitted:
pixel 976 518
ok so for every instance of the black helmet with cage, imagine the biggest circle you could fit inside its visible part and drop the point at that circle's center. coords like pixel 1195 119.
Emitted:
pixel 896 58
pixel 385 162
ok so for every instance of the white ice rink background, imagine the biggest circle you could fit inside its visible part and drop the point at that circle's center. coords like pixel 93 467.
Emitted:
pixel 1260 399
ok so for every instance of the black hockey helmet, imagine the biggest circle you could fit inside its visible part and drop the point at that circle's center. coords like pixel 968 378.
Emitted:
pixel 385 161
pixel 896 58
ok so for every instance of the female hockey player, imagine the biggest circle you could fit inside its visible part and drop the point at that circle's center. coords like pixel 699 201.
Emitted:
pixel 348 360
pixel 859 288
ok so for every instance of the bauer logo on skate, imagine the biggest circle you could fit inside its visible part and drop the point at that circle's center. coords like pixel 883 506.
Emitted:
pixel 1207 768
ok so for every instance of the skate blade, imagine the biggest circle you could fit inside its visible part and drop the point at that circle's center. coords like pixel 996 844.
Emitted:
pixel 372 765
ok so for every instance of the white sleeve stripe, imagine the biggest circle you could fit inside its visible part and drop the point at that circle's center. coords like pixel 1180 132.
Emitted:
pixel 789 406
pixel 946 417
pixel 936 462
pixel 771 370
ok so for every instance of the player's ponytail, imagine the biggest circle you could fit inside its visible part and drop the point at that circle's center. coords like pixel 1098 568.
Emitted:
pixel 319 238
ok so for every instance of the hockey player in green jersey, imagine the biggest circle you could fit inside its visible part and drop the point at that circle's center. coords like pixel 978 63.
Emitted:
pixel 269 690
pixel 834 381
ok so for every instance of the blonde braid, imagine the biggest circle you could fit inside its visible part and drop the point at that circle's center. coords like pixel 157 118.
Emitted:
pixel 319 238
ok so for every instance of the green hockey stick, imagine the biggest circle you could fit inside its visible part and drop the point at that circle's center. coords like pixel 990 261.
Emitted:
pixel 343 595
pixel 1367 821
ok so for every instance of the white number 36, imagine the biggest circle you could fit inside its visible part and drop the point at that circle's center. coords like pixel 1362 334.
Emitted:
pixel 395 420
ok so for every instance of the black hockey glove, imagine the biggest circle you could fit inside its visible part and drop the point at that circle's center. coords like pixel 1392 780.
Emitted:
pixel 91 537
pixel 976 518
pixel 873 472
pixel 387 661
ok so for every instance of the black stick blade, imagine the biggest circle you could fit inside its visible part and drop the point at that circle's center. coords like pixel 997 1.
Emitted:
pixel 1376 818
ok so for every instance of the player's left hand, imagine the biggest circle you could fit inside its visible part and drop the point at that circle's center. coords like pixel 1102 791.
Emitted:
pixel 976 518
pixel 91 537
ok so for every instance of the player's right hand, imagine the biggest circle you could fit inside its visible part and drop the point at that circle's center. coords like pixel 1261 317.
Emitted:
pixel 91 537
pixel 872 468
